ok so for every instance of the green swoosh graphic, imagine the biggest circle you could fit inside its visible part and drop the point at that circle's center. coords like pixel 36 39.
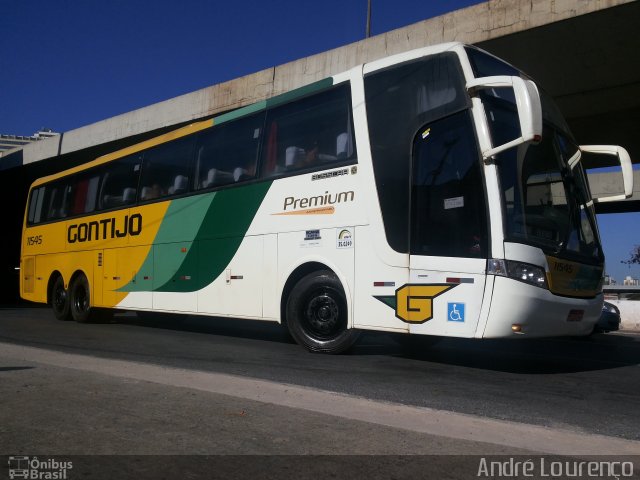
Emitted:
pixel 210 227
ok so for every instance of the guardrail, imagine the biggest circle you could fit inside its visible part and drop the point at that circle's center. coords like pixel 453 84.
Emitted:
pixel 621 289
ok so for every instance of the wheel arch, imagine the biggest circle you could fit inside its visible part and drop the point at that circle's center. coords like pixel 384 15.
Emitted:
pixel 52 280
pixel 300 271
pixel 57 273
pixel 75 275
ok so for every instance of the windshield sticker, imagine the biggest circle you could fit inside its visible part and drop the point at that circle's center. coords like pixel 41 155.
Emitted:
pixel 456 202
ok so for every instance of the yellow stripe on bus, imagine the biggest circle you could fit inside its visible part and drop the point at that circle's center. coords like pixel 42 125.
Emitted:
pixel 181 132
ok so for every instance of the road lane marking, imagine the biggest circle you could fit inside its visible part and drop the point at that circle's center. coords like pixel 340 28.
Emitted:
pixel 417 419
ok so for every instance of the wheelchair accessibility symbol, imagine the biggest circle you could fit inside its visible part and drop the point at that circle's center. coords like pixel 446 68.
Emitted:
pixel 455 312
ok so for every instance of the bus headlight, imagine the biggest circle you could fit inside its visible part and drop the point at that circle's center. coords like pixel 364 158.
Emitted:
pixel 523 272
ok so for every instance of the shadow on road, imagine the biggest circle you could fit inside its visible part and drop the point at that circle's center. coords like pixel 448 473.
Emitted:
pixel 532 356
pixel 522 356
pixel 230 327
pixel 13 369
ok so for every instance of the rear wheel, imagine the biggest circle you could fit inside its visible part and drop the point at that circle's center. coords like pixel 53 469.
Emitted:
pixel 317 314
pixel 80 299
pixel 60 300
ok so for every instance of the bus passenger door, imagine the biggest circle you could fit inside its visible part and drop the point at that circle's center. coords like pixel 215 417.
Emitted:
pixel 448 238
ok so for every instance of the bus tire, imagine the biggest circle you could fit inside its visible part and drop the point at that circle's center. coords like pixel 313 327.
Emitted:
pixel 60 300
pixel 80 299
pixel 317 315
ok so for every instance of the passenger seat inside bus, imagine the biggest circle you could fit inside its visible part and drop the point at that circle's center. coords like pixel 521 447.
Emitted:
pixel 216 177
pixel 293 155
pixel 128 195
pixel 343 146
pixel 180 185
pixel 145 193
pixel 241 174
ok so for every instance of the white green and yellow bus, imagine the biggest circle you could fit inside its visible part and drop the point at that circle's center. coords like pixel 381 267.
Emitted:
pixel 435 192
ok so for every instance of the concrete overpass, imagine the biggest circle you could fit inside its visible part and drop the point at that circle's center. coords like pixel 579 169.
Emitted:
pixel 584 53
pixel 605 184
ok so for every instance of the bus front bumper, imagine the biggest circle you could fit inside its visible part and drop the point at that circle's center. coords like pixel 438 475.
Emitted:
pixel 522 310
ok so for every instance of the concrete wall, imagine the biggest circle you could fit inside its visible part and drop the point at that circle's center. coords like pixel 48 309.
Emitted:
pixel 612 184
pixel 474 24
pixel 629 313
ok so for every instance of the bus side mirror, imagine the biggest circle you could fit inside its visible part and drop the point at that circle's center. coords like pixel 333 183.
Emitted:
pixel 625 163
pixel 528 106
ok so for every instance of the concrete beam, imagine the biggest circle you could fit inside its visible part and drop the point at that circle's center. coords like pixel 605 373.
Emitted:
pixel 482 22
pixel 603 184
pixel 611 184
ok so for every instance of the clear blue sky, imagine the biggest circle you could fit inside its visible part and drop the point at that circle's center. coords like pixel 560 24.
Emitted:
pixel 620 232
pixel 69 63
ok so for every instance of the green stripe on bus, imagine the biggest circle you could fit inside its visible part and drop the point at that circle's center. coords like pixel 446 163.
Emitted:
pixel 241 112
pixel 221 233
pixel 300 92
pixel 198 238
pixel 180 224
pixel 272 102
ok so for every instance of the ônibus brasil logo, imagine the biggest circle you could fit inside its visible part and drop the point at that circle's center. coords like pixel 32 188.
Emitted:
pixel 34 468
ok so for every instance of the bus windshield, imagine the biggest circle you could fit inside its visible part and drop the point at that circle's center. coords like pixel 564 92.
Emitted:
pixel 547 203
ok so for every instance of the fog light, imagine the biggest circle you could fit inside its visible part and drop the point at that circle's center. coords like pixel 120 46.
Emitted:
pixel 516 328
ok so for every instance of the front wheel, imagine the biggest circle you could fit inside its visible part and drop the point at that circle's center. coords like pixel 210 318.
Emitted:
pixel 317 314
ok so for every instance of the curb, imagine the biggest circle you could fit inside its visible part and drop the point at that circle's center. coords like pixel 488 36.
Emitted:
pixel 629 326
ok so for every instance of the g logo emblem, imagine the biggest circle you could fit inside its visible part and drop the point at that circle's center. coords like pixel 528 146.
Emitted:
pixel 414 303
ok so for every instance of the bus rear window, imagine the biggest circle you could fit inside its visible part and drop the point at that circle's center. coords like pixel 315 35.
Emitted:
pixel 49 202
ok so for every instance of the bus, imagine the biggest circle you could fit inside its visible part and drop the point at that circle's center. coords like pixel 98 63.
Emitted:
pixel 436 192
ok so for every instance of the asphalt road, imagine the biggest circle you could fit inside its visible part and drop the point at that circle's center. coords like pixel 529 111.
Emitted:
pixel 587 385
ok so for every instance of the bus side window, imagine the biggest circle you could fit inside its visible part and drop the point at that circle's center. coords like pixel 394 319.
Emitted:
pixel 166 169
pixel 311 133
pixel 119 183
pixel 69 196
pixel 35 205
pixel 85 193
pixel 228 153
pixel 54 200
